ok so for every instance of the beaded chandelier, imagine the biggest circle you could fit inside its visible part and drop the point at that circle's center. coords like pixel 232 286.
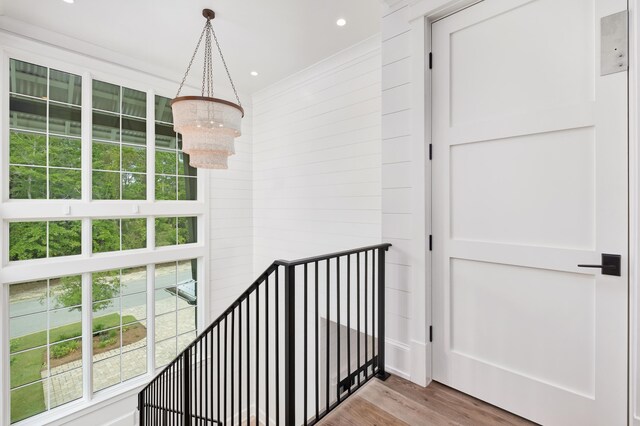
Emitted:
pixel 208 125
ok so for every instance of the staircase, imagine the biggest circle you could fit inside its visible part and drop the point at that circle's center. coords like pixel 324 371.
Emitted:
pixel 301 339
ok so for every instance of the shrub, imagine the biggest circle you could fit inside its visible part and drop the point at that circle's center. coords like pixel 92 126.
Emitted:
pixel 107 341
pixel 107 338
pixel 63 349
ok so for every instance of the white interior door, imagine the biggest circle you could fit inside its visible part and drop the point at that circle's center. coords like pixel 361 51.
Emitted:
pixel 530 180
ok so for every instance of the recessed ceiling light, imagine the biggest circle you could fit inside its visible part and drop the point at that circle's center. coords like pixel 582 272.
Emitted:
pixel 341 22
pixel 68 1
pixel 254 73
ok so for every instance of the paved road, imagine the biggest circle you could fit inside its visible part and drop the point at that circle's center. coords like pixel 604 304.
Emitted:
pixel 23 325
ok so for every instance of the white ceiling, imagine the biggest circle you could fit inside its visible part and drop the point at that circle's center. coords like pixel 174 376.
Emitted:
pixel 276 38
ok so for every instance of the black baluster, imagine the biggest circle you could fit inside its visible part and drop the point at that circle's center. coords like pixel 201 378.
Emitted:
pixel 366 315
pixel 186 367
pixel 178 393
pixel 277 323
pixel 225 365
pixel 290 345
pixel 210 334
pixel 267 370
pixel 240 363
pixel 232 358
pixel 349 322
pixel 306 347
pixel 382 373
pixel 327 329
pixel 258 354
pixel 359 363
pixel 141 396
pixel 218 376
pixel 338 328
pixel 373 306
pixel 153 402
pixel 317 346
pixel 248 362
pixel 200 410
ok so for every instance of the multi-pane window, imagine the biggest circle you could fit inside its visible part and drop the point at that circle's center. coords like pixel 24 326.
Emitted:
pixel 37 240
pixel 45 345
pixel 44 133
pixel 77 335
pixel 175 298
pixel 175 178
pixel 118 234
pixel 119 143
pixel 119 326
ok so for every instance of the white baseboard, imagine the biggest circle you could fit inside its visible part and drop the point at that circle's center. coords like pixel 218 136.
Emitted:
pixel 398 359
pixel 420 363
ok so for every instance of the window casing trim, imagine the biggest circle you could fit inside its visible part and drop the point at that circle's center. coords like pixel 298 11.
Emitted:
pixel 16 47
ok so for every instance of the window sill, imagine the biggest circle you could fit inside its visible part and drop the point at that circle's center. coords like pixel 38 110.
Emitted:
pixel 82 407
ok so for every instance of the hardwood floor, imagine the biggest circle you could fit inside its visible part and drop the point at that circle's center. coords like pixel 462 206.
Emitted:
pixel 400 402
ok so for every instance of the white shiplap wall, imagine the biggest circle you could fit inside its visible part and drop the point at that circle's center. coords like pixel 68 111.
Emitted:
pixel 231 223
pixel 317 158
pixel 403 210
pixel 320 167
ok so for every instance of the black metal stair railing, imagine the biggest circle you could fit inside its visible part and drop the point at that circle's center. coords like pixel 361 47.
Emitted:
pixel 301 339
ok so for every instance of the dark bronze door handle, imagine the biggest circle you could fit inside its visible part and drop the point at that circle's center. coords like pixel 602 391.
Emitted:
pixel 610 265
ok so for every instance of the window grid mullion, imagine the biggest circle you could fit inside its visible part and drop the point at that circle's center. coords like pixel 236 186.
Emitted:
pixel 47 240
pixel 121 323
pixel 151 319
pixel 120 140
pixel 86 132
pixel 47 382
pixel 87 237
pixel 48 174
pixel 151 147
pixel 87 342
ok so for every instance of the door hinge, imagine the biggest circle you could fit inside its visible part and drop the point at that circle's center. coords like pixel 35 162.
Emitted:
pixel 430 151
pixel 430 242
pixel 431 333
pixel 430 60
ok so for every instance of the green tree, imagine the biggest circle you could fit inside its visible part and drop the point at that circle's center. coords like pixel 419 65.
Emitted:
pixel 166 228
pixel 27 240
pixel 30 170
pixel 105 286
pixel 65 238
pixel 106 235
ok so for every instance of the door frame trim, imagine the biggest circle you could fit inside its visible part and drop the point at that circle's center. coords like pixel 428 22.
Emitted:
pixel 634 212
pixel 421 15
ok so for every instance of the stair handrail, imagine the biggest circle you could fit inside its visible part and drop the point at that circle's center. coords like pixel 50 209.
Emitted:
pixel 377 363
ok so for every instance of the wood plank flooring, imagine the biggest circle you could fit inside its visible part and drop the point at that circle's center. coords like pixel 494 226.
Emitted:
pixel 400 402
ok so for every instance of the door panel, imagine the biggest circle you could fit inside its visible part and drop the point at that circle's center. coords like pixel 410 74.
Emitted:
pixel 529 180
pixel 553 207
pixel 492 305
pixel 487 81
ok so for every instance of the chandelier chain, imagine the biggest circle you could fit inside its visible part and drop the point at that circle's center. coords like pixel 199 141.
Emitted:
pixel 191 61
pixel 207 72
pixel 233 86
pixel 210 62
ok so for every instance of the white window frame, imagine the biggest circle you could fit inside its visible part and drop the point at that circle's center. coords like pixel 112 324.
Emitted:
pixel 85 209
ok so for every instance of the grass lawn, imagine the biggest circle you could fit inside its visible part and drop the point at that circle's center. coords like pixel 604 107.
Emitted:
pixel 27 366
pixel 27 401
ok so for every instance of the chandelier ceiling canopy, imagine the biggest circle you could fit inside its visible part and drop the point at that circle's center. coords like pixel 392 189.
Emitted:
pixel 208 125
